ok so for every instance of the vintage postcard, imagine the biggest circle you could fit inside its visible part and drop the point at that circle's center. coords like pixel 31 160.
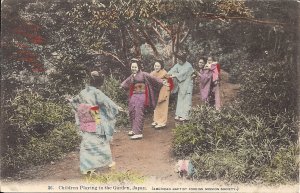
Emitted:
pixel 150 96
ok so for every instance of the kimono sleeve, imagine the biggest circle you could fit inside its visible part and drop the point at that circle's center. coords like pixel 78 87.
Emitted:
pixel 75 101
pixel 126 83
pixel 106 104
pixel 174 69
pixel 154 85
pixel 216 72
pixel 184 73
pixel 157 83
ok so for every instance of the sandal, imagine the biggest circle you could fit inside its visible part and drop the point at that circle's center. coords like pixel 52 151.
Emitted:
pixel 131 133
pixel 154 124
pixel 159 126
pixel 139 136
pixel 182 119
pixel 113 164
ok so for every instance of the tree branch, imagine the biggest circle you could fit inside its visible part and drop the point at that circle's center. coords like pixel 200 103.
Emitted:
pixel 158 34
pixel 213 16
pixel 101 52
pixel 177 36
pixel 163 26
pixel 123 41
pixel 185 36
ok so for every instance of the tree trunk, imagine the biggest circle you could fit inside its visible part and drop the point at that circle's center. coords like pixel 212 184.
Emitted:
pixel 173 51
pixel 135 40
pixel 158 34
pixel 177 37
pixel 124 43
pixel 149 41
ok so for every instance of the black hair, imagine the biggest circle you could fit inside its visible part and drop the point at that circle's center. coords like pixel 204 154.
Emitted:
pixel 162 65
pixel 181 55
pixel 202 58
pixel 210 56
pixel 96 81
pixel 138 61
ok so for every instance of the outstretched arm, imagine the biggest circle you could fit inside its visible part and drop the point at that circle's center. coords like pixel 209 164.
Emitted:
pixel 126 83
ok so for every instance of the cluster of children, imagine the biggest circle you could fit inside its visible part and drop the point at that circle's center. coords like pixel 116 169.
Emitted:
pixel 154 90
pixel 96 113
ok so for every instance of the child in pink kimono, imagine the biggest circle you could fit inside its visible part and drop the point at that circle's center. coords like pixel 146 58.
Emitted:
pixel 210 82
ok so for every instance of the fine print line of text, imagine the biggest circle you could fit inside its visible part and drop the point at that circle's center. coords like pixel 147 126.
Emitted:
pixel 139 188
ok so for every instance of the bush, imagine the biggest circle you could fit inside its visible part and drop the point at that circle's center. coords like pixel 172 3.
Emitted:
pixel 284 165
pixel 221 164
pixel 30 122
pixel 268 88
pixel 60 140
pixel 234 146
pixel 29 114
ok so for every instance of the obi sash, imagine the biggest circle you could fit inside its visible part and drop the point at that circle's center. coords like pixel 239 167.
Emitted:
pixel 139 88
pixel 89 117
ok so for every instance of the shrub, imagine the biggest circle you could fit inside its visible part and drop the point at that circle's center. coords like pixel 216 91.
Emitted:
pixel 268 88
pixel 114 176
pixel 221 164
pixel 232 145
pixel 30 123
pixel 29 114
pixel 284 165
pixel 39 150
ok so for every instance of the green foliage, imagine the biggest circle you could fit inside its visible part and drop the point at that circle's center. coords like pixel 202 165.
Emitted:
pixel 268 87
pixel 35 130
pixel 222 164
pixel 63 138
pixel 231 145
pixel 115 177
pixel 234 8
pixel 67 79
pixel 111 88
pixel 33 114
pixel 284 166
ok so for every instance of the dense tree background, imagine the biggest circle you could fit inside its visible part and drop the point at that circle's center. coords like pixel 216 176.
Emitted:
pixel 49 48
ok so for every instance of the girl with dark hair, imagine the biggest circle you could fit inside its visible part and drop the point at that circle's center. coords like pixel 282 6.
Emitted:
pixel 161 111
pixel 95 116
pixel 143 92
pixel 182 73
pixel 210 83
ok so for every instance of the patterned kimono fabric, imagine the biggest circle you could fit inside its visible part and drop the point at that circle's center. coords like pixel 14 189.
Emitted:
pixel 95 149
pixel 209 91
pixel 183 74
pixel 161 111
pixel 144 90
